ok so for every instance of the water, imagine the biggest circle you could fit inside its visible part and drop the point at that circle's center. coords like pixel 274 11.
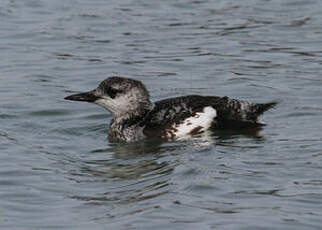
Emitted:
pixel 57 168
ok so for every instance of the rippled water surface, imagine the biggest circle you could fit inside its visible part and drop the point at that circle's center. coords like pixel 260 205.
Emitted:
pixel 59 171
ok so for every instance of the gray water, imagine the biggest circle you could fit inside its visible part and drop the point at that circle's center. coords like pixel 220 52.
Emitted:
pixel 57 167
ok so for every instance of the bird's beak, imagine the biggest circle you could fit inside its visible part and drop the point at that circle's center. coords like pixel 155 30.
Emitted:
pixel 87 96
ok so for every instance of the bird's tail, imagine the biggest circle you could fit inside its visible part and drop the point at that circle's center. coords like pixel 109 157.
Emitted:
pixel 256 110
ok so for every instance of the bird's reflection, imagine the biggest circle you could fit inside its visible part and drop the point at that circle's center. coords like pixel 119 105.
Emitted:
pixel 144 168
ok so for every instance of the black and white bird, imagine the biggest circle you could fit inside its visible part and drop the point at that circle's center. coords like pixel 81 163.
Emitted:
pixel 135 117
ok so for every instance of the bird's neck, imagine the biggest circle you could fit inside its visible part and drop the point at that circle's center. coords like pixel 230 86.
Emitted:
pixel 132 117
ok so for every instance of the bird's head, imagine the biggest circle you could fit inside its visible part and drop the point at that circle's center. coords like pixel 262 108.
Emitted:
pixel 118 95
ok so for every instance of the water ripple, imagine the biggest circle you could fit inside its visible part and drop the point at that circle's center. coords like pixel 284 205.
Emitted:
pixel 55 154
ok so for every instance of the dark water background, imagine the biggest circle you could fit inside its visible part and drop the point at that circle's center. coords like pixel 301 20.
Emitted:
pixel 57 168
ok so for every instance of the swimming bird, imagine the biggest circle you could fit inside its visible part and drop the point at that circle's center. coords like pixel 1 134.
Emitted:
pixel 135 117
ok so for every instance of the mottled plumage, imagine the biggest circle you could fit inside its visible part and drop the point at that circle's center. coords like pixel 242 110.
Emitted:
pixel 135 117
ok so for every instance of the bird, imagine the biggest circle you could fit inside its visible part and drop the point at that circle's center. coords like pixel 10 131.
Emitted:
pixel 135 117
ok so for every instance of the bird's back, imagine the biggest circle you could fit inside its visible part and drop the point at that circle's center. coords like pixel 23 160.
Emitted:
pixel 176 117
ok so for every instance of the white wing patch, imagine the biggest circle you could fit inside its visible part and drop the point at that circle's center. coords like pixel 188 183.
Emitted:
pixel 198 123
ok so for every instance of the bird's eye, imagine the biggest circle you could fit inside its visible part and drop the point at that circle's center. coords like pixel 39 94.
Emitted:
pixel 112 92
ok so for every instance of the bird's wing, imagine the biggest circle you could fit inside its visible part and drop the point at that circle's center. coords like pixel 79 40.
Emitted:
pixel 229 113
pixel 173 112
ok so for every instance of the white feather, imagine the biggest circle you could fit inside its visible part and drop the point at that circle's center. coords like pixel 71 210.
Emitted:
pixel 202 120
